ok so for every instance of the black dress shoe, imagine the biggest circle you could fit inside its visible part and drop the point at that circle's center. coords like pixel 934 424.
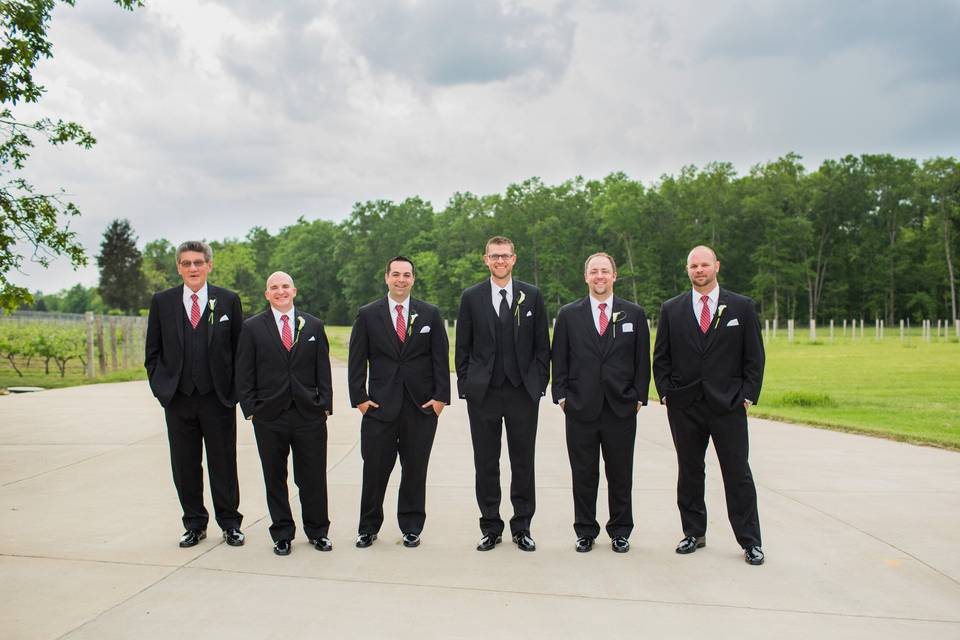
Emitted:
pixel 234 537
pixel 488 542
pixel 191 537
pixel 282 547
pixel 691 544
pixel 584 544
pixel 411 540
pixel 322 544
pixel 620 544
pixel 364 540
pixel 523 541
pixel 753 555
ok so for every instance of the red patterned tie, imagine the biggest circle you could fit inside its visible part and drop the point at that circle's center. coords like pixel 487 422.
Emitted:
pixel 194 311
pixel 603 317
pixel 286 335
pixel 401 324
pixel 705 314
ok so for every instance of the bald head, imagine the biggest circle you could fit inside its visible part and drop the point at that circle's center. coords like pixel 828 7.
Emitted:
pixel 702 268
pixel 280 291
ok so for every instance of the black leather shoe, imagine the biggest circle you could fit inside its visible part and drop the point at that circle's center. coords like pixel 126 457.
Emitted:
pixel 191 537
pixel 584 544
pixel 322 544
pixel 488 542
pixel 523 541
pixel 691 544
pixel 411 540
pixel 364 540
pixel 620 544
pixel 753 555
pixel 282 547
pixel 234 537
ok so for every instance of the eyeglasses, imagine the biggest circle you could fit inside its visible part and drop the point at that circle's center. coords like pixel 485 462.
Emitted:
pixel 496 257
pixel 197 263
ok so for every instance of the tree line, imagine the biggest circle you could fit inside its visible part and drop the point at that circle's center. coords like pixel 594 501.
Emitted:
pixel 873 236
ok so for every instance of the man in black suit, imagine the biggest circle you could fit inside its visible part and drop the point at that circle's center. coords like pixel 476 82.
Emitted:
pixel 601 378
pixel 192 335
pixel 708 368
pixel 284 386
pixel 404 343
pixel 503 363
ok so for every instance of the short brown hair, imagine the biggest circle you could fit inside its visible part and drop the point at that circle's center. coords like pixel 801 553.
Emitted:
pixel 499 240
pixel 413 267
pixel 600 254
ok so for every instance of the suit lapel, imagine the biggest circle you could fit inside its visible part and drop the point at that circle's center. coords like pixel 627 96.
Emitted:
pixel 515 311
pixel 722 300
pixel 383 310
pixel 181 312
pixel 414 310
pixel 607 341
pixel 691 323
pixel 586 317
pixel 487 312
pixel 273 332
pixel 296 323
pixel 212 294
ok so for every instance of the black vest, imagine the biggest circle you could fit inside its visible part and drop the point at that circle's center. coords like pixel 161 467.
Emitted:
pixel 195 375
pixel 505 358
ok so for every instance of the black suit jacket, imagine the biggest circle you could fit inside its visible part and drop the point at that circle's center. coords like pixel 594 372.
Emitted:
pixel 164 341
pixel 725 366
pixel 419 366
pixel 269 377
pixel 476 340
pixel 587 369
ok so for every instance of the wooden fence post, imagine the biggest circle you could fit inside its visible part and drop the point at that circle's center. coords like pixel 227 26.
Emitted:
pixel 101 352
pixel 89 318
pixel 113 343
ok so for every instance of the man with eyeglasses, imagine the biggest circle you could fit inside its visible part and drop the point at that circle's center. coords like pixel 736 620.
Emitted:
pixel 192 335
pixel 503 365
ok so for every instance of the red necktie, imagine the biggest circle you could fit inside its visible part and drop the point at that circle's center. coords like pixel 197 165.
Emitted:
pixel 401 324
pixel 603 317
pixel 194 311
pixel 286 335
pixel 705 314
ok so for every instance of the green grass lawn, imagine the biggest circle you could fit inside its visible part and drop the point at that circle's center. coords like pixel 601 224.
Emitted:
pixel 34 376
pixel 902 390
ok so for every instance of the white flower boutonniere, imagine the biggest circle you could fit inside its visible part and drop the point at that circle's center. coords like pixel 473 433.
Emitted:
pixel 719 313
pixel 616 317
pixel 413 318
pixel 212 305
pixel 516 312
pixel 300 323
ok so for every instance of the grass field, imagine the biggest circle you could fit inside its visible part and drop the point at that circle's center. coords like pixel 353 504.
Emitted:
pixel 903 390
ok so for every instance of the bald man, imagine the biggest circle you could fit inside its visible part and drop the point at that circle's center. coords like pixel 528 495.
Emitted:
pixel 284 386
pixel 708 368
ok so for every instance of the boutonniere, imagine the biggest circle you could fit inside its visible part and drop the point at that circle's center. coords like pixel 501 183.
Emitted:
pixel 212 304
pixel 300 323
pixel 516 312
pixel 413 318
pixel 719 313
pixel 616 317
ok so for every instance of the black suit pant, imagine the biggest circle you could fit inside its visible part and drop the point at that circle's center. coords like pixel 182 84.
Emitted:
pixel 192 422
pixel 692 428
pixel 615 437
pixel 512 408
pixel 307 438
pixel 409 436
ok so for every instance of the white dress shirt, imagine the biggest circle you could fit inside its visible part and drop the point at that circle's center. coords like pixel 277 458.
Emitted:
pixel 712 300
pixel 496 294
pixel 608 310
pixel 201 299
pixel 393 312
pixel 291 317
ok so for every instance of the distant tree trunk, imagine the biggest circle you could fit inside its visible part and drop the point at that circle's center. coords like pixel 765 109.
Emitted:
pixel 633 272
pixel 950 275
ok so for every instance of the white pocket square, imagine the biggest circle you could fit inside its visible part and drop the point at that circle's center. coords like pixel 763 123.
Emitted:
pixel 529 313
pixel 312 339
pixel 628 327
pixel 224 318
pixel 425 329
pixel 733 323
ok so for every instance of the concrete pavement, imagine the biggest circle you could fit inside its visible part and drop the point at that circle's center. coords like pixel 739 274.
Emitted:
pixel 860 533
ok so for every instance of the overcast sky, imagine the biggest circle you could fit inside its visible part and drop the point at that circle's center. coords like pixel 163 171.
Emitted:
pixel 217 115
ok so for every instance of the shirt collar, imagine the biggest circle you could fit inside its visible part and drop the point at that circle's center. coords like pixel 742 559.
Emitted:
pixel 714 296
pixel 595 304
pixel 393 304
pixel 201 295
pixel 496 288
pixel 277 313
